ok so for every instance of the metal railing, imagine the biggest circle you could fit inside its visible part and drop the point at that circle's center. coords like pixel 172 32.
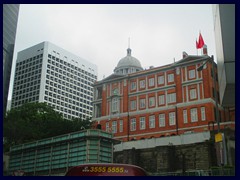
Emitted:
pixel 212 172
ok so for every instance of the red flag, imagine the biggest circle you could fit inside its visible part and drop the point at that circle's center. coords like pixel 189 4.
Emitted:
pixel 197 45
pixel 200 41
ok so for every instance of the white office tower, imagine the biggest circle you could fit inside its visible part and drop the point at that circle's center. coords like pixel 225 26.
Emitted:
pixel 47 73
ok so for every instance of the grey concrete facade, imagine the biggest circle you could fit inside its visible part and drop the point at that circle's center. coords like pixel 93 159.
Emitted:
pixel 10 19
pixel 224 29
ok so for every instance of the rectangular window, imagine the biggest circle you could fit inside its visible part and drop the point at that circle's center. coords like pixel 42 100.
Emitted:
pixel 133 85
pixel 121 126
pixel 194 115
pixel 193 94
pixel 142 103
pixel 160 80
pixel 142 123
pixel 161 120
pixel 107 126
pixel 172 120
pixel 161 99
pixel 133 124
pixel 191 74
pixel 114 127
pixel 133 105
pixel 203 114
pixel 151 82
pixel 152 121
pixel 170 78
pixel 171 98
pixel 142 84
pixel 152 102
pixel 185 120
pixel 115 105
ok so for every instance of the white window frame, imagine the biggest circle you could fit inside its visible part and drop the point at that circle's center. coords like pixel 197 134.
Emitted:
pixel 121 126
pixel 160 80
pixel 115 105
pixel 133 124
pixel 107 126
pixel 171 98
pixel 194 115
pixel 162 120
pixel 142 123
pixel 152 121
pixel 161 99
pixel 133 85
pixel 151 102
pixel 191 74
pixel 172 119
pixel 185 118
pixel 193 93
pixel 142 83
pixel 203 113
pixel 151 82
pixel 170 77
pixel 142 103
pixel 133 104
pixel 114 127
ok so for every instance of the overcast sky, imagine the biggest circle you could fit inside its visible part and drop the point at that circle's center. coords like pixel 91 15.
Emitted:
pixel 99 33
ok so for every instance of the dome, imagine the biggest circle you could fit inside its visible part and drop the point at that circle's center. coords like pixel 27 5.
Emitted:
pixel 128 64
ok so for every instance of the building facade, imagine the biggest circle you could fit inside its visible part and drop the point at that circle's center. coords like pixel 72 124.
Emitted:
pixel 158 102
pixel 10 19
pixel 224 30
pixel 55 155
pixel 48 73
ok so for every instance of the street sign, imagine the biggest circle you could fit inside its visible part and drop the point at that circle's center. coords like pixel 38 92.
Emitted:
pixel 218 137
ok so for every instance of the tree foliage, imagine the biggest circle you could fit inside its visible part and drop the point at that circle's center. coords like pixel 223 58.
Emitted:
pixel 34 121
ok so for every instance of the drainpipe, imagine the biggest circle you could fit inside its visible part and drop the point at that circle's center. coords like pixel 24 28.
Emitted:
pixel 176 119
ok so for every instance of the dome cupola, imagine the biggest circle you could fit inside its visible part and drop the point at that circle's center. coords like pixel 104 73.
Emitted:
pixel 128 64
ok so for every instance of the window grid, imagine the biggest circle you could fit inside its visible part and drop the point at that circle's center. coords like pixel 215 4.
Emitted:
pixel 68 80
pixel 142 84
pixel 142 123
pixel 151 82
pixel 172 120
pixel 162 122
pixel 152 121
pixel 142 103
pixel 185 119
pixel 121 126
pixel 133 85
pixel 152 102
pixel 194 115
pixel 203 113
pixel 191 74
pixel 114 127
pixel 193 94
pixel 133 124
pixel 161 99
pixel 171 98
pixel 133 105
pixel 170 78
pixel 115 105
pixel 160 80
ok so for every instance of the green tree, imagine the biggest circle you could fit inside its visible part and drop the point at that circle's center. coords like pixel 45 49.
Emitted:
pixel 34 121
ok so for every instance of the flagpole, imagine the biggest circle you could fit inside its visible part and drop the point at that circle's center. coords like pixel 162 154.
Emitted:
pixel 197 46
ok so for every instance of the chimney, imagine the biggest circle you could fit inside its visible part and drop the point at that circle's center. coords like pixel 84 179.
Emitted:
pixel 184 54
pixel 205 49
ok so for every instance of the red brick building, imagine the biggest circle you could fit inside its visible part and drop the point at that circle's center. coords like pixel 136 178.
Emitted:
pixel 169 100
